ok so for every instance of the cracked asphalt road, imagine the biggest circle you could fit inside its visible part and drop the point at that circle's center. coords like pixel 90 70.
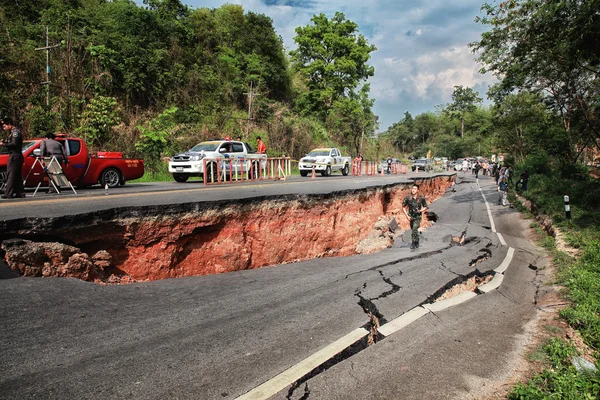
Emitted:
pixel 219 336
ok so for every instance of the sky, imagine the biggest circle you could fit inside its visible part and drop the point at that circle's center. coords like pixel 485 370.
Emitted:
pixel 422 46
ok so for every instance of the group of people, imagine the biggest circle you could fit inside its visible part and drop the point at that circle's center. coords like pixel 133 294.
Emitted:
pixel 14 186
pixel 503 176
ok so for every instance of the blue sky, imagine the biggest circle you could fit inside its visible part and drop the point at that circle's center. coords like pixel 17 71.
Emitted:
pixel 422 46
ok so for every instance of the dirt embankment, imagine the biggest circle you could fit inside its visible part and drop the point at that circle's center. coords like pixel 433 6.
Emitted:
pixel 119 246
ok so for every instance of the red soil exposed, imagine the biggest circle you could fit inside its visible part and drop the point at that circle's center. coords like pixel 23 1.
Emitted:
pixel 233 237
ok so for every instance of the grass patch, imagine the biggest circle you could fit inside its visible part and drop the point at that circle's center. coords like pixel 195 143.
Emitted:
pixel 581 279
pixel 561 380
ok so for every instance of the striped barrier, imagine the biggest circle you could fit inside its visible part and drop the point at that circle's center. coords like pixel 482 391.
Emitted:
pixel 219 170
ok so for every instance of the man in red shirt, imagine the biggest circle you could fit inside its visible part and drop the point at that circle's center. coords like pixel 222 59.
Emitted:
pixel 261 148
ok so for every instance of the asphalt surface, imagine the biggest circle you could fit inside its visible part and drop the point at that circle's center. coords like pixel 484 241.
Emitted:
pixel 220 336
pixel 168 193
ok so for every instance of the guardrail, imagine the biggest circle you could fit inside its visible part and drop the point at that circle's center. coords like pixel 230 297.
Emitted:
pixel 369 168
pixel 223 170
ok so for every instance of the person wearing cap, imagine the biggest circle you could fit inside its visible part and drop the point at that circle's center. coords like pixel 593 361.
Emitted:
pixel 51 148
pixel 14 176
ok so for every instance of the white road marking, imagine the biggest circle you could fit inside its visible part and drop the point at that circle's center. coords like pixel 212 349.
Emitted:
pixel 507 259
pixel 291 375
pixel 501 238
pixel 404 320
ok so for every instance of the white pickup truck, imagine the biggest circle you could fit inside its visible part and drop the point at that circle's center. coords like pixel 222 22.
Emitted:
pixel 325 160
pixel 220 155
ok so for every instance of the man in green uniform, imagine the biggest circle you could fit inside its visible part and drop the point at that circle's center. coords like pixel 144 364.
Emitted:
pixel 414 206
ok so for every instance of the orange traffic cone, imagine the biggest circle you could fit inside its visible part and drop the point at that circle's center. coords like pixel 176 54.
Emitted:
pixel 382 171
pixel 314 175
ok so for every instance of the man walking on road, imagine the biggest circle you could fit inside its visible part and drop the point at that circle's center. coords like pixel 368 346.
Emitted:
pixel 14 176
pixel 414 206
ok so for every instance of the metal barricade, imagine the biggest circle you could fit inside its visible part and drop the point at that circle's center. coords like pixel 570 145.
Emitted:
pixel 232 170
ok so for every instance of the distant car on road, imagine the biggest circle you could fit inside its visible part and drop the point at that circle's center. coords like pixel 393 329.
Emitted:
pixel 422 164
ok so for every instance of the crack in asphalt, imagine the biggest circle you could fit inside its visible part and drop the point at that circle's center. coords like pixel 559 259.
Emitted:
pixel 397 261
pixel 487 253
pixel 348 352
pixel 507 297
pixel 537 282
pixel 447 269
pixel 456 281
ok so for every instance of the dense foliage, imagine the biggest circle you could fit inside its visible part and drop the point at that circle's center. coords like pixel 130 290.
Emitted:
pixel 118 67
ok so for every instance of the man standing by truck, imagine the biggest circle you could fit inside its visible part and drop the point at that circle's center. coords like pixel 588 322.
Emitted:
pixel 261 148
pixel 14 177
pixel 51 148
pixel 414 206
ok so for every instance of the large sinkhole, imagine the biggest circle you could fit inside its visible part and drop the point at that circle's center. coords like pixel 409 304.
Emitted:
pixel 151 243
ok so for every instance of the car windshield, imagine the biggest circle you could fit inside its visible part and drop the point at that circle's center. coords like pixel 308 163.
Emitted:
pixel 205 146
pixel 26 146
pixel 318 153
pixel 420 161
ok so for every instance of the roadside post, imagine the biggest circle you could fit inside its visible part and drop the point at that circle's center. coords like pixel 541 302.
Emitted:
pixel 567 210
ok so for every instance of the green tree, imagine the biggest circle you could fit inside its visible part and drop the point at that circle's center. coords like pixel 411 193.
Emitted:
pixel 333 56
pixel 549 47
pixel 352 119
pixel 157 137
pixel 464 100
pixel 99 117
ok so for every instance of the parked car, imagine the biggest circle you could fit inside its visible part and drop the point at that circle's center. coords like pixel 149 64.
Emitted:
pixel 83 169
pixel 220 155
pixel 325 160
pixel 422 164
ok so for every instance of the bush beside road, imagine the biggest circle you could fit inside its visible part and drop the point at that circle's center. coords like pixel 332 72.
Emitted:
pixel 562 374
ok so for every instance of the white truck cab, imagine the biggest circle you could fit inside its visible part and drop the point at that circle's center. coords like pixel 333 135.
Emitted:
pixel 220 155
pixel 325 160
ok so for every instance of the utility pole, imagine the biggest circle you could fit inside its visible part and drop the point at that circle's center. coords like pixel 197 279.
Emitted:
pixel 47 48
pixel 250 95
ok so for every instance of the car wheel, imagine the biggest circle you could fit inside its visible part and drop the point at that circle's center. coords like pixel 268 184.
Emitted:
pixel 2 179
pixel 211 171
pixel 110 177
pixel 345 170
pixel 303 173
pixel 327 171
pixel 181 178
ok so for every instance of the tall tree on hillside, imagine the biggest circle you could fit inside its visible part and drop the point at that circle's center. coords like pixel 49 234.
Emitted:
pixel 464 100
pixel 549 47
pixel 333 56
pixel 352 120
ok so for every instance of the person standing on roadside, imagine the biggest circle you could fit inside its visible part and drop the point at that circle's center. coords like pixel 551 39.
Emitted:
pixel 502 190
pixel 414 206
pixel 51 148
pixel 261 148
pixel 14 176
pixel 523 181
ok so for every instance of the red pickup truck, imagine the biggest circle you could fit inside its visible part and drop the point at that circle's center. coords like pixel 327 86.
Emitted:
pixel 83 169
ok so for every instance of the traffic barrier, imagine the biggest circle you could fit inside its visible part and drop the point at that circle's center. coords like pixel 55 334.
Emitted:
pixel 234 170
